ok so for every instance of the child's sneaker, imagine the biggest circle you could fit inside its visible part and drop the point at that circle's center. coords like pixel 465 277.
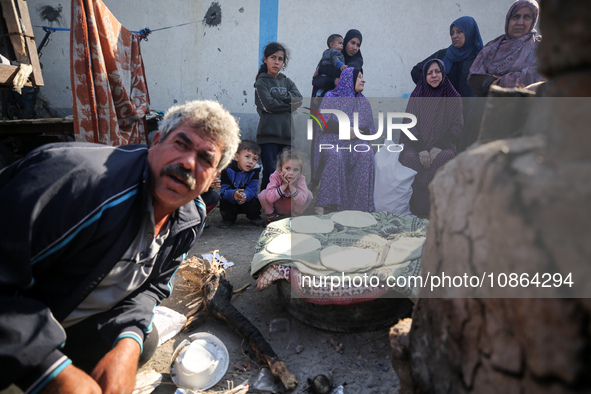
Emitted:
pixel 258 221
pixel 225 223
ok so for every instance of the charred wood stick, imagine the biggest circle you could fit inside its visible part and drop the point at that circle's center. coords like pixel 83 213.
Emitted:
pixel 218 293
pixel 400 343
pixel 242 289
pixel 194 315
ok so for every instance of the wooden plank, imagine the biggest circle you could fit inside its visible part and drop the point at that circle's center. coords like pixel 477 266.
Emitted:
pixel 7 74
pixel 46 126
pixel 36 76
pixel 14 29
pixel 38 121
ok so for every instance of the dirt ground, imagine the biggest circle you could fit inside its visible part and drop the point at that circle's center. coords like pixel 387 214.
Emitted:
pixel 360 362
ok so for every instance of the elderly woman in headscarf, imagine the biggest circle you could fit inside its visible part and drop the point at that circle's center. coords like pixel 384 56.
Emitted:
pixel 510 59
pixel 345 166
pixel 353 58
pixel 466 44
pixel 438 108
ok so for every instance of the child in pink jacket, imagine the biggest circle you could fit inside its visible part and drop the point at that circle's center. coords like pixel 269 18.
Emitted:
pixel 286 193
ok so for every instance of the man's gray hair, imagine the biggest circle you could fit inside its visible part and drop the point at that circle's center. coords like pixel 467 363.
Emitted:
pixel 209 116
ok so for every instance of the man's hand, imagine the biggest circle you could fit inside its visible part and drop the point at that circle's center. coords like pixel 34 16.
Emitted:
pixel 115 373
pixel 344 66
pixel 72 380
pixel 425 158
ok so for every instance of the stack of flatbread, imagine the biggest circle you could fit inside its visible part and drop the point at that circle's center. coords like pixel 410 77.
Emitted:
pixel 310 257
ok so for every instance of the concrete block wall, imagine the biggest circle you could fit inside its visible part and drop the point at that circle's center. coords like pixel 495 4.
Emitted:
pixel 219 60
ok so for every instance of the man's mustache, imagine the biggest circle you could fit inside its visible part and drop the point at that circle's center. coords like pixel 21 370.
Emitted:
pixel 181 173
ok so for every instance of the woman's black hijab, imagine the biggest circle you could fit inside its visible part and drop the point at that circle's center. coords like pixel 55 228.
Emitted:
pixel 357 59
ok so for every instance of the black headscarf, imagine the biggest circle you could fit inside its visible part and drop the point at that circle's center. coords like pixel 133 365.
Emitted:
pixel 357 59
pixel 355 75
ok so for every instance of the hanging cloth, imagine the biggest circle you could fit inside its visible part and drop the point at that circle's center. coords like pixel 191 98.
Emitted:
pixel 109 90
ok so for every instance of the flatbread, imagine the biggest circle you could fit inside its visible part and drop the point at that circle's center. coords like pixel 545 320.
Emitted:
pixel 293 244
pixel 351 259
pixel 354 219
pixel 311 225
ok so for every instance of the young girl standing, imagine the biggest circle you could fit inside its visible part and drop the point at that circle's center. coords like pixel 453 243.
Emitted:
pixel 276 97
pixel 286 192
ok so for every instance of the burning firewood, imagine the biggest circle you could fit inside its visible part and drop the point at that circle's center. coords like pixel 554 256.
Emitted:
pixel 210 293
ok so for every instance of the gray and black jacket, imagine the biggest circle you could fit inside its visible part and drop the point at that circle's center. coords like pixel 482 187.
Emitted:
pixel 275 99
pixel 69 212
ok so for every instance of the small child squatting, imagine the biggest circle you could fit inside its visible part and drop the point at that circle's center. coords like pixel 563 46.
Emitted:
pixel 286 193
pixel 240 183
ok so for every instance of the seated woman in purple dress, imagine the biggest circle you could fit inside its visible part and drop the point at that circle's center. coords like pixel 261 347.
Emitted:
pixel 345 166
pixel 438 108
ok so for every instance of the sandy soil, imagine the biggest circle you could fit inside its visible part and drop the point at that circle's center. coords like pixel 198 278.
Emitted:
pixel 358 361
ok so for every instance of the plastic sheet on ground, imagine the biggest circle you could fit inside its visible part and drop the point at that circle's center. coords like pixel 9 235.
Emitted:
pixel 168 322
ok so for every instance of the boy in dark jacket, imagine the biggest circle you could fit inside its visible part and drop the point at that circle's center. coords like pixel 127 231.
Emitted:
pixel 240 184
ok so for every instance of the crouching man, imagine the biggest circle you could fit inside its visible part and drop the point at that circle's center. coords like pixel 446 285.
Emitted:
pixel 90 239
